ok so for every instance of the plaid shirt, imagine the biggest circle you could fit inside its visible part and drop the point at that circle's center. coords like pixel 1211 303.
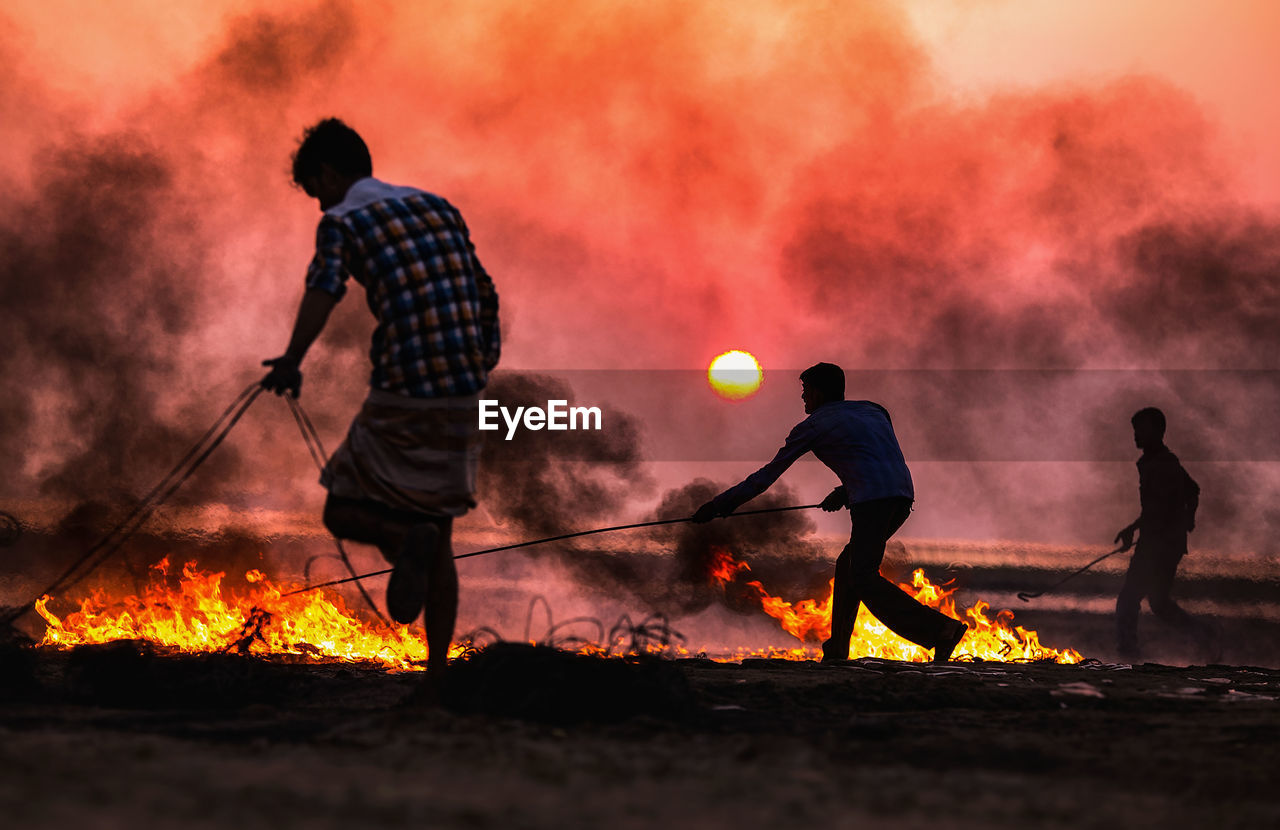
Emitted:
pixel 436 307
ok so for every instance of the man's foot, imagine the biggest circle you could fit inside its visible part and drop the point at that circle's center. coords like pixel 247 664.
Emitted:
pixel 832 653
pixel 952 633
pixel 407 588
pixel 1129 653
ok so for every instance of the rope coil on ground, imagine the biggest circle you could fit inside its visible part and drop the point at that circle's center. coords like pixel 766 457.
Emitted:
pixel 624 637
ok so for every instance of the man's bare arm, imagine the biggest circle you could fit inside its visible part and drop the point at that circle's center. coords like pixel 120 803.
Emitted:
pixel 312 316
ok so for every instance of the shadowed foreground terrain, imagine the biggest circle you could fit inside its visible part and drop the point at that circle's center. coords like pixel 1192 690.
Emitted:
pixel 120 735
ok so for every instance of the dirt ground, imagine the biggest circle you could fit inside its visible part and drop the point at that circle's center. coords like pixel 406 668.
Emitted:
pixel 120 736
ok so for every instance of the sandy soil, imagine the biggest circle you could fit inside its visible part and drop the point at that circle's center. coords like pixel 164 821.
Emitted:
pixel 117 736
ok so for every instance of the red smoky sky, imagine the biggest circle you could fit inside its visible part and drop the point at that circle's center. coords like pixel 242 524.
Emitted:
pixel 978 185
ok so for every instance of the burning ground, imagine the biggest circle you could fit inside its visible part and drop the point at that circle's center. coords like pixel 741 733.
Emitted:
pixel 198 616
pixel 258 730
pixel 538 486
pixel 822 189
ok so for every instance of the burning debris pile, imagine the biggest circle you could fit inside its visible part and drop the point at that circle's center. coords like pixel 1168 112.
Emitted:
pixel 809 620
pixel 198 614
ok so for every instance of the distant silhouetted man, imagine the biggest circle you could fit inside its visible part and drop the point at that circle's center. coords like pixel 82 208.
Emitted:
pixel 408 465
pixel 1169 498
pixel 856 440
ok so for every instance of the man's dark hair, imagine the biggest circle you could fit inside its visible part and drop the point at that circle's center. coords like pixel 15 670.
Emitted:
pixel 334 143
pixel 827 378
pixel 1150 415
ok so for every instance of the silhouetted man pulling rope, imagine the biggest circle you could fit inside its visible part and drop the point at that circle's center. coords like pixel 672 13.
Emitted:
pixel 856 440
pixel 408 464
pixel 1169 497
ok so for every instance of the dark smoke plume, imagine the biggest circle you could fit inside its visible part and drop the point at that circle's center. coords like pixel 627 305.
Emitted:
pixel 648 186
pixel 94 310
pixel 548 484
pixel 111 284
pixel 551 483
pixel 776 545
pixel 557 482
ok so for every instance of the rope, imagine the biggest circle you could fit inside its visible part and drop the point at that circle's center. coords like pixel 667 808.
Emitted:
pixel 624 637
pixel 356 578
pixel 115 538
pixel 1027 597
pixel 312 440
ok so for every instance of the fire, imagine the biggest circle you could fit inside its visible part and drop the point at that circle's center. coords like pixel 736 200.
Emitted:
pixel 200 616
pixel 809 620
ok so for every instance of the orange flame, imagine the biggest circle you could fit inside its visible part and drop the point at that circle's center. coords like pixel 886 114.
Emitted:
pixel 199 616
pixel 809 620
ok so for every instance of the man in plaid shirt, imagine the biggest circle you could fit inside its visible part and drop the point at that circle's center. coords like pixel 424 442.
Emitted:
pixel 408 465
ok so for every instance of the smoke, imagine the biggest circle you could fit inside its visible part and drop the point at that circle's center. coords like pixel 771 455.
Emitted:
pixel 546 484
pixel 994 229
pixel 268 55
pixel 115 292
pixel 774 544
pixel 547 481
pixel 121 299
pixel 1200 292
pixel 1063 231
pixel 89 302
pixel 649 184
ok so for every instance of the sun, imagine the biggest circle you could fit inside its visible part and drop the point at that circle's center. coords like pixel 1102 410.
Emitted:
pixel 735 375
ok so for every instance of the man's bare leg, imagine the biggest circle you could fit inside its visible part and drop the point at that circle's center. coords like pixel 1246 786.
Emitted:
pixel 390 530
pixel 441 607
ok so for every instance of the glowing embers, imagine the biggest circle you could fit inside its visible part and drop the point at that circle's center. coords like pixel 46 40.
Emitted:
pixel 198 615
pixel 735 375
pixel 809 620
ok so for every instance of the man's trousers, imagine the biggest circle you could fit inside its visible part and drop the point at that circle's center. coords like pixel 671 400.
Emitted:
pixel 858 580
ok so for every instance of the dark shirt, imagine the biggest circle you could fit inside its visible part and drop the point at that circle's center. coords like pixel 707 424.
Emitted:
pixel 854 438
pixel 1169 495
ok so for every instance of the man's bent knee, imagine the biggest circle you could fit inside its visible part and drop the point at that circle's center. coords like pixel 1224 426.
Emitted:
pixel 361 521
pixel 341 517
